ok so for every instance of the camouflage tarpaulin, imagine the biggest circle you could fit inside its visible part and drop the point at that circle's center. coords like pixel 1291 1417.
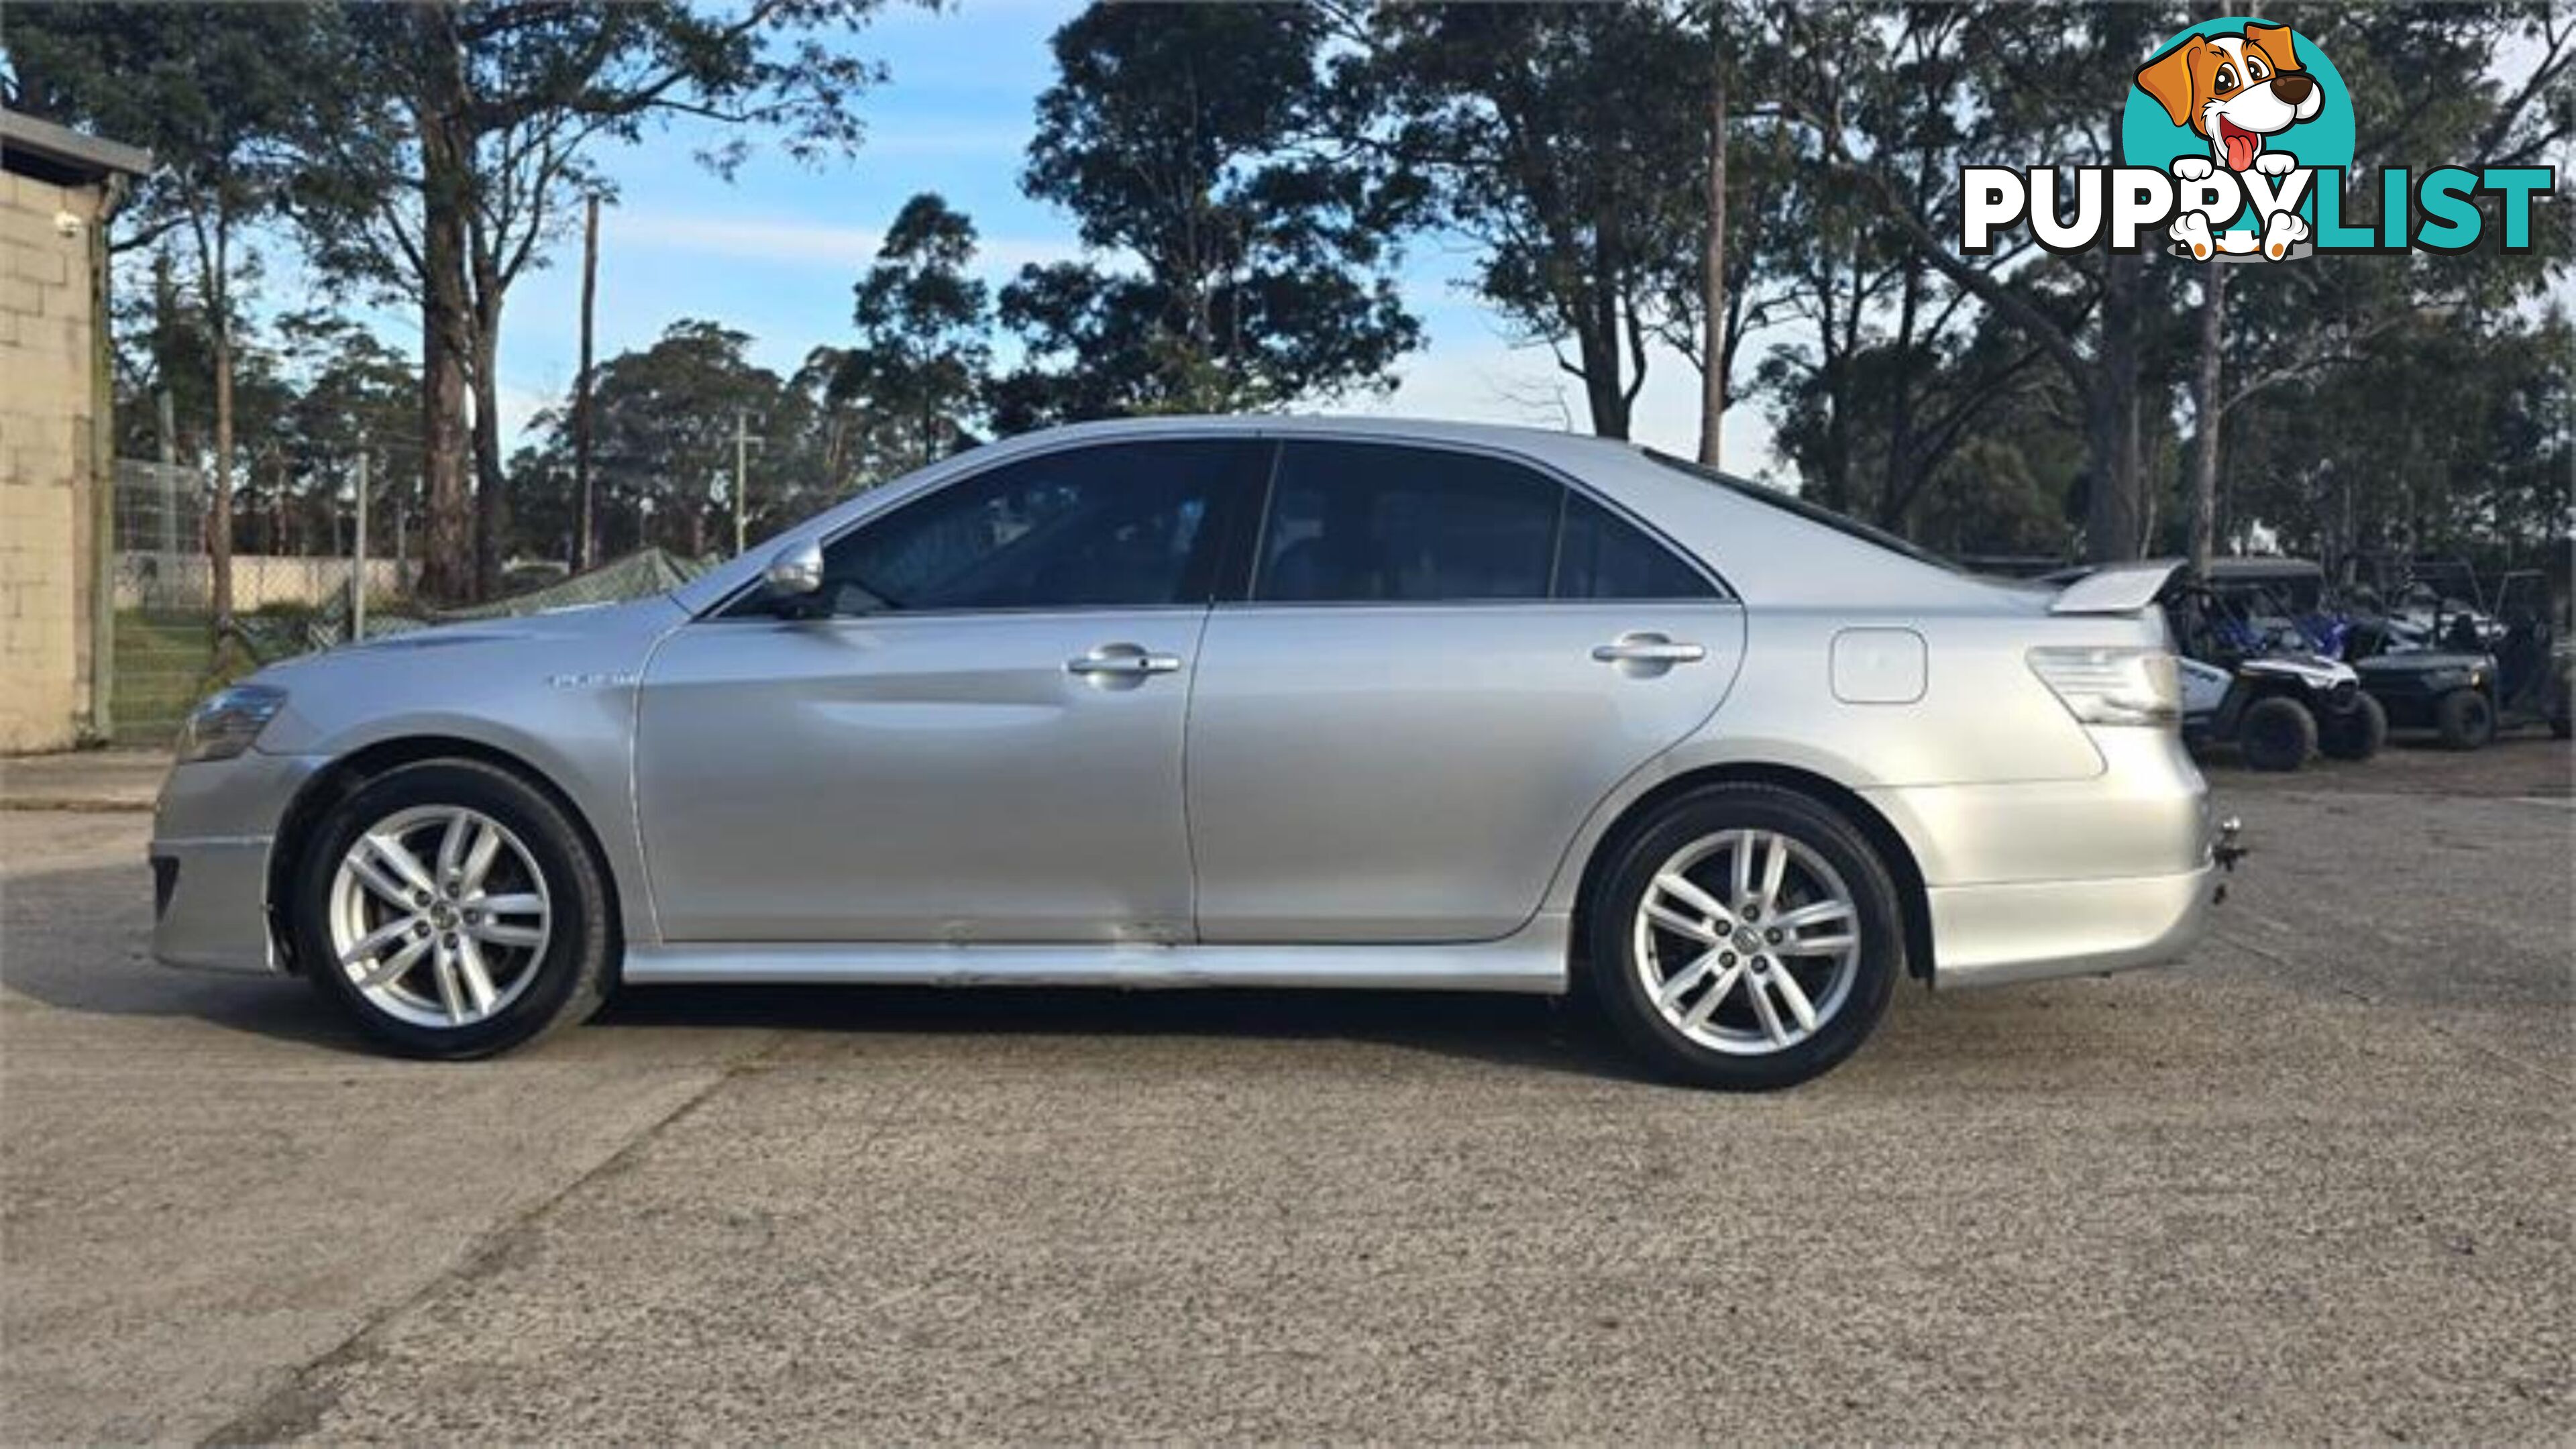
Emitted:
pixel 638 575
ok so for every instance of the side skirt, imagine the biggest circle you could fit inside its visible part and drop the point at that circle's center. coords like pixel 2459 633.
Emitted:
pixel 1532 959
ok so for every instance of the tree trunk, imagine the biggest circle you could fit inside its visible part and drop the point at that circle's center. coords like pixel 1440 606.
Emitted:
pixel 2206 410
pixel 447 573
pixel 2111 418
pixel 491 486
pixel 219 529
pixel 1713 350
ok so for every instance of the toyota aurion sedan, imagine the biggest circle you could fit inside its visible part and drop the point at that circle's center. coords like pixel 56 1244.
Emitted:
pixel 1229 702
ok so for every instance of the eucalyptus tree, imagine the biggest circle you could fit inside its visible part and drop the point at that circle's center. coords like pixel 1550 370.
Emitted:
pixel 921 362
pixel 455 141
pixel 214 92
pixel 1235 262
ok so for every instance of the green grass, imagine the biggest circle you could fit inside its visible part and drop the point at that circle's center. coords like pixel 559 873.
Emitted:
pixel 164 664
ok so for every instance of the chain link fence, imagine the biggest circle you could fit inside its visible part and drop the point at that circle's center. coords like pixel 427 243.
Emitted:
pixel 169 649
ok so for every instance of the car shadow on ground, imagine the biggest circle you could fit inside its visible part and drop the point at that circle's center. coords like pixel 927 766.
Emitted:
pixel 58 949
pixel 1536 1032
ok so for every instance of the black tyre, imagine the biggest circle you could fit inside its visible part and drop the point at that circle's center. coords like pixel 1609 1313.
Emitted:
pixel 2466 718
pixel 1746 937
pixel 2277 733
pixel 453 910
pixel 2355 734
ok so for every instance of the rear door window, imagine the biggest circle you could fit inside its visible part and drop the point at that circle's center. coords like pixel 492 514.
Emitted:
pixel 1387 523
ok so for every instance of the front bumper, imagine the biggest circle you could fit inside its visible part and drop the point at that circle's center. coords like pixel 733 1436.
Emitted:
pixel 210 904
pixel 212 832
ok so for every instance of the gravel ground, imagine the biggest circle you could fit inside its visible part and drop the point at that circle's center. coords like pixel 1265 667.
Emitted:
pixel 2313 1183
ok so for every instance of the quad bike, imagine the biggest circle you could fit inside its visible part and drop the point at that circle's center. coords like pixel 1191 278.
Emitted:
pixel 2278 708
pixel 2466 693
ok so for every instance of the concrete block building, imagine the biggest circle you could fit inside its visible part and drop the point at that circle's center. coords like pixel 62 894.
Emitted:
pixel 57 189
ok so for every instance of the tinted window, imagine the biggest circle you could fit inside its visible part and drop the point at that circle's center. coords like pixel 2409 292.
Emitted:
pixel 1368 522
pixel 1603 556
pixel 1130 524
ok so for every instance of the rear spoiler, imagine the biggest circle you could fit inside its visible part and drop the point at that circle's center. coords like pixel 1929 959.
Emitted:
pixel 2118 589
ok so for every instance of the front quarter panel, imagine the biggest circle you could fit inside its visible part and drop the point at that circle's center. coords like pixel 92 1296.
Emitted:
pixel 555 691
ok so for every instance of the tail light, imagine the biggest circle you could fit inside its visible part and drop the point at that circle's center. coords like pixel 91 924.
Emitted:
pixel 2112 686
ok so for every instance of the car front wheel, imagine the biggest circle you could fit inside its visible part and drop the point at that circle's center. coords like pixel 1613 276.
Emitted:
pixel 1748 937
pixel 453 910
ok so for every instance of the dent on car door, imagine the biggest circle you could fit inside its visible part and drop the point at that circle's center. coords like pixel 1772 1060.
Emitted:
pixel 1445 660
pixel 972 733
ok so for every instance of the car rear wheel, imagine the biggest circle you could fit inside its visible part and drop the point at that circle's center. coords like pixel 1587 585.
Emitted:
pixel 453 910
pixel 1747 937
pixel 2466 719
pixel 2355 734
pixel 2277 733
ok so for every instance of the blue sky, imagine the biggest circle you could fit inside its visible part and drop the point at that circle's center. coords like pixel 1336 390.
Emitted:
pixel 775 251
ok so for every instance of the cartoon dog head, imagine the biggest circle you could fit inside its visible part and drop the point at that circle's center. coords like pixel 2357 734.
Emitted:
pixel 2234 89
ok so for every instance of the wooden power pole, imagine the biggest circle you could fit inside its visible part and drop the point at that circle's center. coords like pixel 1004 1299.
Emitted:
pixel 585 544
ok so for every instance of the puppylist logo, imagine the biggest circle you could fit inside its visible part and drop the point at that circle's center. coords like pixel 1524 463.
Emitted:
pixel 2236 144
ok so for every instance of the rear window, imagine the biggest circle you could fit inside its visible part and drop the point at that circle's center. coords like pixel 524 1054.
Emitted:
pixel 1812 513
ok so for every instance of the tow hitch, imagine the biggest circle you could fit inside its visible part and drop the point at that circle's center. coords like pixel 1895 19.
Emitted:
pixel 2226 850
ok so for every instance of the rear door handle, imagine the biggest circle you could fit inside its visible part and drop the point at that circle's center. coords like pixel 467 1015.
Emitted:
pixel 1122 661
pixel 1648 649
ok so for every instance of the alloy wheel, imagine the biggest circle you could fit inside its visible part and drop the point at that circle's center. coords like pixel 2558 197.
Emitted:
pixel 439 916
pixel 1747 942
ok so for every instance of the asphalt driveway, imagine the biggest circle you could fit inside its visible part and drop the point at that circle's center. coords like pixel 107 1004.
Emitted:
pixel 2314 1183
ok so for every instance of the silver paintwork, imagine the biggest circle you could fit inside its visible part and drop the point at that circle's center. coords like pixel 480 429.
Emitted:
pixel 1345 794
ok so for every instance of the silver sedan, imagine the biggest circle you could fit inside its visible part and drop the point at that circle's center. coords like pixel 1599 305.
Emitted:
pixel 1257 702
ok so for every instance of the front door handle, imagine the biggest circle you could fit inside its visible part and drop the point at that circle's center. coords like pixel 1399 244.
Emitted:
pixel 1648 649
pixel 1122 661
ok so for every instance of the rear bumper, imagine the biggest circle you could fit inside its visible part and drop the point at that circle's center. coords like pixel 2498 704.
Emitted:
pixel 1989 935
pixel 2066 878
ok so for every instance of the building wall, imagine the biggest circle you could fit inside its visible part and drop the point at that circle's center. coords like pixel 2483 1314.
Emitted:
pixel 45 480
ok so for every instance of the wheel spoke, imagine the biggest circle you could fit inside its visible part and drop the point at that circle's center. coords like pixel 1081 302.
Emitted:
pixel 392 892
pixel 477 979
pixel 391 969
pixel 1685 890
pixel 501 935
pixel 1702 1008
pixel 406 865
pixel 1775 867
pixel 1768 1014
pixel 1681 925
pixel 451 992
pixel 1793 996
pixel 529 904
pixel 1680 983
pixel 1815 913
pixel 1816 946
pixel 1740 857
pixel 451 845
pixel 374 942
pixel 478 861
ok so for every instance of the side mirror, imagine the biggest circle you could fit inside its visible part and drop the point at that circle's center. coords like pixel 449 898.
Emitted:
pixel 794 571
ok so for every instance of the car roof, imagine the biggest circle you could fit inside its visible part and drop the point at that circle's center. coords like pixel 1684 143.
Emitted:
pixel 1778 554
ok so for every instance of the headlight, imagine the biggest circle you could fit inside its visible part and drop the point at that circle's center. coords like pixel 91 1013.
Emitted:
pixel 2112 686
pixel 228 721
